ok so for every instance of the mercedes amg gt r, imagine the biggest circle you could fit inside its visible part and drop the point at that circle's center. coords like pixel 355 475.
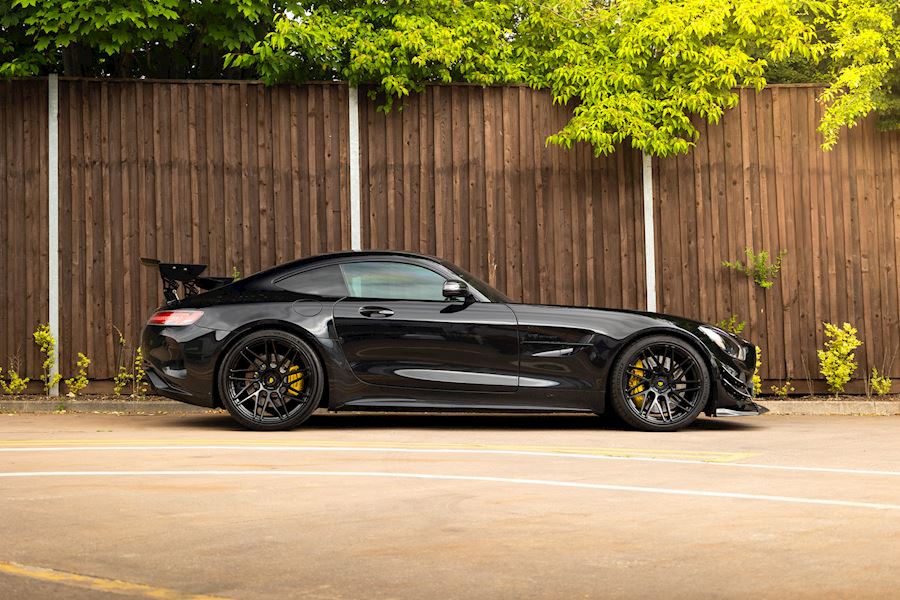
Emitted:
pixel 399 331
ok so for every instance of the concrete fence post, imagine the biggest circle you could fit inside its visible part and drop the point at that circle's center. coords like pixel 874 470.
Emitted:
pixel 649 229
pixel 53 217
pixel 355 217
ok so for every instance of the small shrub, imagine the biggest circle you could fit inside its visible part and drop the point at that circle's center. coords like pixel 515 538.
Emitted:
pixel 130 374
pixel 16 384
pixel 757 380
pixel 880 384
pixel 837 362
pixel 123 372
pixel 121 380
pixel 80 381
pixel 138 376
pixel 732 325
pixel 758 267
pixel 47 343
pixel 783 390
pixel 235 273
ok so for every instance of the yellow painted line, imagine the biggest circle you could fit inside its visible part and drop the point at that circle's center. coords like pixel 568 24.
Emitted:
pixel 697 455
pixel 98 584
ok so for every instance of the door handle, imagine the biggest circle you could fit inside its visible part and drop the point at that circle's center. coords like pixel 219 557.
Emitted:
pixel 375 312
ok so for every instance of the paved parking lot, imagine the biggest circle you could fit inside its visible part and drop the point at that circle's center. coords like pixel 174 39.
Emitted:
pixel 424 506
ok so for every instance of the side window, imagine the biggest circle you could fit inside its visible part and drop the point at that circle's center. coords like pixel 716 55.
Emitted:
pixel 327 282
pixel 392 281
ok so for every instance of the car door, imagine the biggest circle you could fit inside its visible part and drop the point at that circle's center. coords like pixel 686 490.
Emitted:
pixel 397 329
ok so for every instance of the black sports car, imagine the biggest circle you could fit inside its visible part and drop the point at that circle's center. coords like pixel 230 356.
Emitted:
pixel 400 331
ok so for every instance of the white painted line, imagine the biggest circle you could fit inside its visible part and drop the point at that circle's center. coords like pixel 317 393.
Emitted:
pixel 53 219
pixel 355 216
pixel 511 480
pixel 680 461
pixel 649 229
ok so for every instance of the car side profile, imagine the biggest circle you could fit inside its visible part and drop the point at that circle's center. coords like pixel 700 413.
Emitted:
pixel 382 330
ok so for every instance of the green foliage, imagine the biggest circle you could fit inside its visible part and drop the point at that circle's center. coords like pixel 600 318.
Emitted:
pixel 129 368
pixel 235 273
pixel 399 45
pixel 758 267
pixel 121 380
pixel 132 375
pixel 47 344
pixel 128 38
pixel 123 373
pixel 757 380
pixel 865 52
pixel 837 361
pixel 79 381
pixel 639 72
pixel 732 325
pixel 880 384
pixel 783 390
pixel 16 384
pixel 636 71
pixel 139 385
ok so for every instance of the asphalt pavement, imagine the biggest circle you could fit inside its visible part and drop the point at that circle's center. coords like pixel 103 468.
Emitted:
pixel 471 506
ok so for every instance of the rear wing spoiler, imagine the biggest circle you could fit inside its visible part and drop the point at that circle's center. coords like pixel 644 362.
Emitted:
pixel 185 276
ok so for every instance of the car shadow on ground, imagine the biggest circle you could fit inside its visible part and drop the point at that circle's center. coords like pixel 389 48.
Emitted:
pixel 469 422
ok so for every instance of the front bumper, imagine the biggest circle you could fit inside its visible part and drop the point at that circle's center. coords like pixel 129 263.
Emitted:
pixel 735 392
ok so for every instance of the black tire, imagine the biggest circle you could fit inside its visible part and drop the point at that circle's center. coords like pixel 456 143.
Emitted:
pixel 659 383
pixel 270 380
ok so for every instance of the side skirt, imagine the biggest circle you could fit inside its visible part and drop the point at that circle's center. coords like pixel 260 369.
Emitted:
pixel 382 404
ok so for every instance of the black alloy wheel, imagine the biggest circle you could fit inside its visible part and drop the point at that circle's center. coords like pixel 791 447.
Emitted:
pixel 270 380
pixel 660 383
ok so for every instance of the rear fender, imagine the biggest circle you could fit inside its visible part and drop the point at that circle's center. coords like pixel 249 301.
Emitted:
pixel 325 348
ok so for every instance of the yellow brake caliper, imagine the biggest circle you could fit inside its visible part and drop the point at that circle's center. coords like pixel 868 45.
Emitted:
pixel 635 385
pixel 295 381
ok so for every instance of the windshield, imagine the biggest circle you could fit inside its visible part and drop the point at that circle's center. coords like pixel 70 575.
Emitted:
pixel 474 282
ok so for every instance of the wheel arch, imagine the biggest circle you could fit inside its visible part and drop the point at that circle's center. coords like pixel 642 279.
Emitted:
pixel 243 331
pixel 685 336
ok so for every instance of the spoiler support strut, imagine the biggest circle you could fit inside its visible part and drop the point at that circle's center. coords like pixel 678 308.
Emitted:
pixel 184 275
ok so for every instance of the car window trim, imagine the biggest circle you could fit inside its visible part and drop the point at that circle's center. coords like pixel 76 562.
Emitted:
pixel 398 262
pixel 441 270
pixel 307 269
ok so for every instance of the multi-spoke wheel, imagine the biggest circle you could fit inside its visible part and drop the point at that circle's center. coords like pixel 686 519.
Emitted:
pixel 270 380
pixel 660 383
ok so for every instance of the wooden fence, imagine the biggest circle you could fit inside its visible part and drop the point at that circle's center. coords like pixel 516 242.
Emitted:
pixel 760 180
pixel 463 172
pixel 23 221
pixel 243 177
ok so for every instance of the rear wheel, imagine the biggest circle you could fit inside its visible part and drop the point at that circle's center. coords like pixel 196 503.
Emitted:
pixel 271 380
pixel 660 383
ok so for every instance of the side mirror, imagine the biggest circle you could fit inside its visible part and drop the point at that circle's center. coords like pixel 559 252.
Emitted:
pixel 455 289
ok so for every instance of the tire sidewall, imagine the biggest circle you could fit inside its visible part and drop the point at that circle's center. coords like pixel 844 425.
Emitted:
pixel 309 356
pixel 617 394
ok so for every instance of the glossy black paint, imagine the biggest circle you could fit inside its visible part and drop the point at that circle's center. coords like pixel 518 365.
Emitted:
pixel 475 354
pixel 430 345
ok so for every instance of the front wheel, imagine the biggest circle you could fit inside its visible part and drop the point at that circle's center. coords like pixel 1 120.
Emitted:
pixel 271 380
pixel 660 383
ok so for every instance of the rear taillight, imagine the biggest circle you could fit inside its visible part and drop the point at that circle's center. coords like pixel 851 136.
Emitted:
pixel 175 318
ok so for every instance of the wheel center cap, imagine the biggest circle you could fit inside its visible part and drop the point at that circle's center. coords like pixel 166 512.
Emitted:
pixel 270 381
